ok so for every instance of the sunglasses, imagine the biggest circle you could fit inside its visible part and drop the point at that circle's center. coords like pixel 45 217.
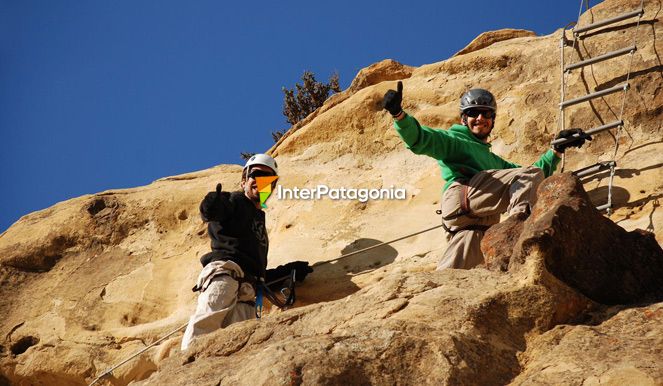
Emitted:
pixel 259 173
pixel 473 113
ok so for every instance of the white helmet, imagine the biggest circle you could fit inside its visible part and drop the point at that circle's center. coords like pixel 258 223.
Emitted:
pixel 261 159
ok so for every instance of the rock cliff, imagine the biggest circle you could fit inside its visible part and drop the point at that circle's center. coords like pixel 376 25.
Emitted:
pixel 570 296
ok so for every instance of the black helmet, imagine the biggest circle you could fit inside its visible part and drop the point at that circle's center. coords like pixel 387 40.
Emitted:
pixel 477 97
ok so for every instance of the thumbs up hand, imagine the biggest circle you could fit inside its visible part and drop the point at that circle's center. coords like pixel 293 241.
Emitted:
pixel 392 100
pixel 216 205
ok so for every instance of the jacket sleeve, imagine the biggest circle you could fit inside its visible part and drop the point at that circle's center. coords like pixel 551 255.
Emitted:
pixel 424 140
pixel 547 162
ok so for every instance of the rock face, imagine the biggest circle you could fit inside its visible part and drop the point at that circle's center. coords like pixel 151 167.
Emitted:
pixel 469 326
pixel 414 328
pixel 385 70
pixel 625 349
pixel 92 280
pixel 487 38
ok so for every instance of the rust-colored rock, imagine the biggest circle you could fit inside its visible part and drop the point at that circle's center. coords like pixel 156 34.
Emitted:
pixel 499 241
pixel 581 247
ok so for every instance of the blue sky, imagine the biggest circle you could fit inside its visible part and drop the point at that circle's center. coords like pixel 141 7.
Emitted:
pixel 98 95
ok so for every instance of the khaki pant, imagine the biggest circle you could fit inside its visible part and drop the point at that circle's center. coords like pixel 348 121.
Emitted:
pixel 486 195
pixel 220 301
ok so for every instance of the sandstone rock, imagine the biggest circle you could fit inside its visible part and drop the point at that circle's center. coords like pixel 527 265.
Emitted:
pixel 470 326
pixel 487 38
pixel 96 278
pixel 387 69
pixel 466 325
pixel 625 349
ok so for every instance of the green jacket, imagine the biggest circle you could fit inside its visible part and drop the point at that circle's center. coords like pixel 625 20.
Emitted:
pixel 458 152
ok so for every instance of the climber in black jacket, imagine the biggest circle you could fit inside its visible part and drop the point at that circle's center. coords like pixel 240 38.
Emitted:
pixel 238 260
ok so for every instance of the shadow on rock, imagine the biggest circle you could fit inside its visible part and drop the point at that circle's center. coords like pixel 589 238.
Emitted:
pixel 599 196
pixel 654 199
pixel 371 259
pixel 332 280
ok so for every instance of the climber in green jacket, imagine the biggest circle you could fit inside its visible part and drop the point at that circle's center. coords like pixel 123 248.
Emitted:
pixel 480 185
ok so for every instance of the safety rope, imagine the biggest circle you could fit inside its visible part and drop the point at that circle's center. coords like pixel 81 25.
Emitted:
pixel 628 74
pixel 110 371
pixel 621 111
pixel 565 74
pixel 620 128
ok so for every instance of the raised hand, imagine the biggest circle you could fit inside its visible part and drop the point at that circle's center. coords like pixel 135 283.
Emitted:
pixel 392 100
pixel 216 205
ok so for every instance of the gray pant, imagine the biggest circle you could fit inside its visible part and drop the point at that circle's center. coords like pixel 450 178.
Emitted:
pixel 486 195
pixel 221 301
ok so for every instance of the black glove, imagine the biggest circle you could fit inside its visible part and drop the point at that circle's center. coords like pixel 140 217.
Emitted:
pixel 577 142
pixel 282 271
pixel 216 205
pixel 392 100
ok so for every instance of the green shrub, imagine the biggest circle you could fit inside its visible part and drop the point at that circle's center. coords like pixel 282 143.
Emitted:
pixel 305 98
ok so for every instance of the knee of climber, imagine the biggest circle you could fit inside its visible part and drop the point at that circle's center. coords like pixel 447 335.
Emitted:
pixel 538 175
pixel 537 179
pixel 532 176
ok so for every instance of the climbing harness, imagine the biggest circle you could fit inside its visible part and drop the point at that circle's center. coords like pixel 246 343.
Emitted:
pixel 464 211
pixel 283 298
pixel 580 33
pixel 452 232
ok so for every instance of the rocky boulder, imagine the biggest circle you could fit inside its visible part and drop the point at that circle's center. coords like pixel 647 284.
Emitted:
pixel 580 246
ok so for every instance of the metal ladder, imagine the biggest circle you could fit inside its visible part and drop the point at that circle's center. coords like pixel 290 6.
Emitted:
pixel 580 33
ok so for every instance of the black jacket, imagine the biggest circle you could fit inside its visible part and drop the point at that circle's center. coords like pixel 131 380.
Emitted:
pixel 238 233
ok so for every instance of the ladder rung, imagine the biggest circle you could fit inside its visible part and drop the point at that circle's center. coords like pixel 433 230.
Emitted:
pixel 597 94
pixel 603 207
pixel 605 22
pixel 592 131
pixel 605 127
pixel 594 168
pixel 601 58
